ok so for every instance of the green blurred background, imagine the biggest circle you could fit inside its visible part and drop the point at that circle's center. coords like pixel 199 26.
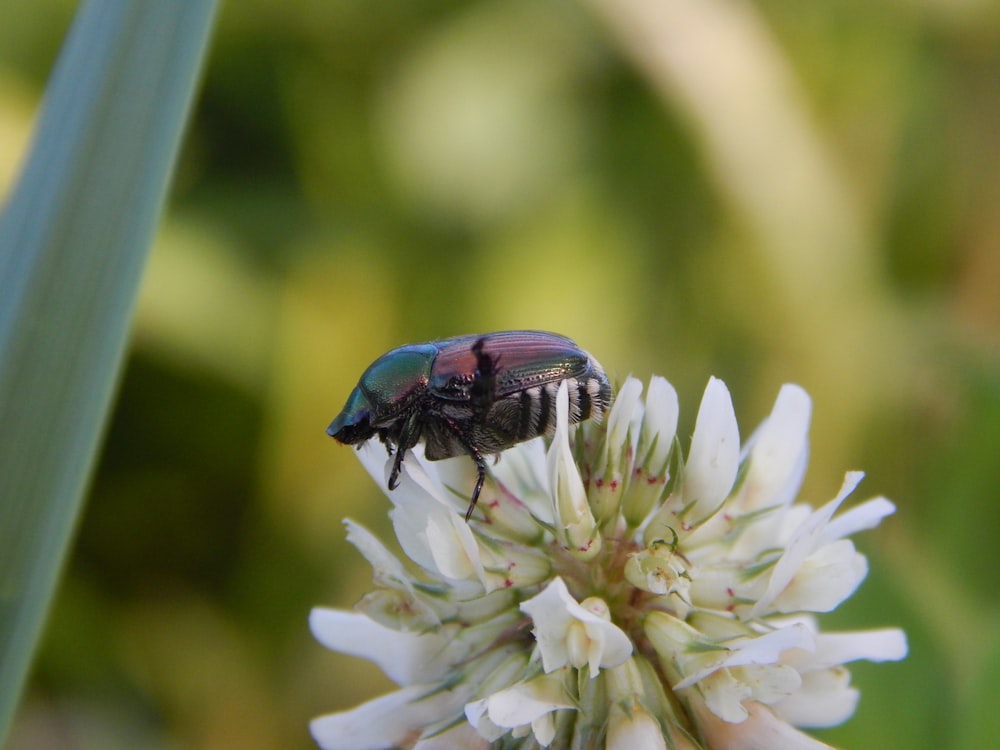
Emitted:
pixel 765 192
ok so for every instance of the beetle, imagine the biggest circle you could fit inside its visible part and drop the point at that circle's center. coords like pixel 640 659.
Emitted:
pixel 471 395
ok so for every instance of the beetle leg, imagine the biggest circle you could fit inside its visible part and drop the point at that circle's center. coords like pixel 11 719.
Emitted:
pixel 397 465
pixel 477 457
pixel 408 437
pixel 484 381
pixel 481 467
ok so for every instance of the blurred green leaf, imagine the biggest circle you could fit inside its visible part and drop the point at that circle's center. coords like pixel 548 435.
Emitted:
pixel 978 722
pixel 73 242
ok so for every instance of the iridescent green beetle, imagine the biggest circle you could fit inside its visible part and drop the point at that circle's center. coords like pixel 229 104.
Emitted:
pixel 470 395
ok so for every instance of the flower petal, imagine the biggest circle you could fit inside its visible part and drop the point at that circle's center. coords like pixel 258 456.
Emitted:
pixel 386 567
pixel 558 618
pixel 866 516
pixel 833 649
pixel 636 729
pixel 476 715
pixel 526 702
pixel 575 526
pixel 429 529
pixel 769 683
pixel 656 441
pixel 621 419
pixel 462 735
pixel 825 699
pixel 659 422
pixel 523 471
pixel 453 547
pixel 778 452
pixel 377 462
pixel 711 466
pixel 764 649
pixel 825 579
pixel 614 462
pixel 405 658
pixel 497 677
pixel 762 730
pixel 802 545
pixel 393 720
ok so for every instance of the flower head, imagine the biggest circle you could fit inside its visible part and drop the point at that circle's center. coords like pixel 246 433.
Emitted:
pixel 612 591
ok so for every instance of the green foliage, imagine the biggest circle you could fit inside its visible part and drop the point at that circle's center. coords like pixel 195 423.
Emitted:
pixel 74 237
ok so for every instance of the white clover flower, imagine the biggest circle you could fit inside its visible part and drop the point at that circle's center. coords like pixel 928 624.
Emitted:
pixel 611 591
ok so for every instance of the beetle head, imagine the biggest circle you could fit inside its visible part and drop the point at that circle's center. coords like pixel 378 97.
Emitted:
pixel 386 392
pixel 353 424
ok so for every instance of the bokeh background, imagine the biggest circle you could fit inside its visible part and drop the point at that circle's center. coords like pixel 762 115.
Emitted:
pixel 767 192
